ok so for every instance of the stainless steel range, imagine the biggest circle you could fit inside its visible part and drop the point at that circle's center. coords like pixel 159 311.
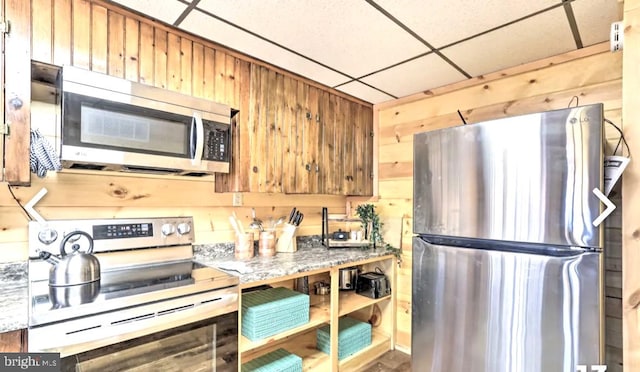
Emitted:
pixel 150 307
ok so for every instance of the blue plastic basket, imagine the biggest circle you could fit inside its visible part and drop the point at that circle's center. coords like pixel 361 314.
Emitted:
pixel 353 336
pixel 271 311
pixel 276 361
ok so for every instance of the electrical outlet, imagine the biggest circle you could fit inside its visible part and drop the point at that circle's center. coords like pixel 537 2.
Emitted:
pixel 237 199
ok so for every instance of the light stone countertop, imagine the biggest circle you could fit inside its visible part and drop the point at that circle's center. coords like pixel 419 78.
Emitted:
pixel 14 280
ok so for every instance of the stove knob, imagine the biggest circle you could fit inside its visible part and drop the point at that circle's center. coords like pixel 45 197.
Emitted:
pixel 47 236
pixel 168 229
pixel 184 228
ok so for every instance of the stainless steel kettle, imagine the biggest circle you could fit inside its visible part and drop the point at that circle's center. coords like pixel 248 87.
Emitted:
pixel 74 268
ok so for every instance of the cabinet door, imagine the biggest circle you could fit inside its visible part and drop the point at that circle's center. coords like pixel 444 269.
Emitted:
pixel 17 85
pixel 366 116
pixel 313 133
pixel 13 342
pixel 326 155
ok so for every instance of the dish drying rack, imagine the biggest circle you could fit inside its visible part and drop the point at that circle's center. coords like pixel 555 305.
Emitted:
pixel 349 243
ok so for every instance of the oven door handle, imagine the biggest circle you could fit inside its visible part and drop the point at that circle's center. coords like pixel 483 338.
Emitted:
pixel 197 143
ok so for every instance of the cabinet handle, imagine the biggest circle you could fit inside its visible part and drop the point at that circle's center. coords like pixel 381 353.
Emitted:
pixel 308 115
pixel 317 168
pixel 317 118
pixel 308 167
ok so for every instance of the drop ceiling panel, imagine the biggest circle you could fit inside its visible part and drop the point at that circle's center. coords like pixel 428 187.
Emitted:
pixel 350 36
pixel 414 76
pixel 362 91
pixel 168 12
pixel 594 18
pixel 443 22
pixel 222 33
pixel 544 35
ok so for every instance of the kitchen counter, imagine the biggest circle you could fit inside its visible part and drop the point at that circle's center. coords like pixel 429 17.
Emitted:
pixel 309 257
pixel 14 302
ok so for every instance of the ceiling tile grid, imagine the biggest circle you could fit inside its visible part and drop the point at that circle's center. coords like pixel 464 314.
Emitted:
pixel 378 50
pixel 594 19
pixel 222 33
pixel 350 36
pixel 534 38
pixel 364 92
pixel 413 76
pixel 449 21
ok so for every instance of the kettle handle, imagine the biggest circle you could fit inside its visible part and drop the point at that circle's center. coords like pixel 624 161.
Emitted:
pixel 66 238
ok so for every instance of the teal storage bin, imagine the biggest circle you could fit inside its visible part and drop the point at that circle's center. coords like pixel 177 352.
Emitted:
pixel 271 311
pixel 276 361
pixel 353 336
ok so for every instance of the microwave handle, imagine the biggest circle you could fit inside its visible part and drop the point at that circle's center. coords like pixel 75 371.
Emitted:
pixel 198 147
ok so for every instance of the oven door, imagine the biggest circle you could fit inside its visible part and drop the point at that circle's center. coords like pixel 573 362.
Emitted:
pixel 207 345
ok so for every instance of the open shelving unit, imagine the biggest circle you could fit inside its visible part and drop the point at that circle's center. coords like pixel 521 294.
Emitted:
pixel 328 309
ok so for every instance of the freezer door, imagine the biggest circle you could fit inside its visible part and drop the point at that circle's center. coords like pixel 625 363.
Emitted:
pixel 527 178
pixel 495 311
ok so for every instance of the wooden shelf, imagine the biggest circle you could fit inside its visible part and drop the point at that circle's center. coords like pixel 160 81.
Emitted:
pixel 304 346
pixel 319 313
pixel 379 345
pixel 350 301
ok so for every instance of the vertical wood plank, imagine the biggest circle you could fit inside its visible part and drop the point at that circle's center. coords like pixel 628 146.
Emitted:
pixel 197 77
pixel 186 65
pixel 288 139
pixel 2 16
pixel 367 117
pixel 160 58
pixel 41 13
pixel 242 149
pixel 229 80
pixel 99 38
pixel 209 73
pixel 132 49
pixel 278 125
pixel 220 66
pixel 115 35
pixel 62 32
pixel 302 151
pixel 270 130
pixel 312 139
pixel 321 170
pixel 358 135
pixel 81 56
pixel 328 149
pixel 173 62
pixel 262 134
pixel 17 87
pixel 348 162
pixel 631 188
pixel 338 144
pixel 254 125
pixel 147 54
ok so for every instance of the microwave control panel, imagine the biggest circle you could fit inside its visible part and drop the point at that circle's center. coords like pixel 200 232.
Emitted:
pixel 217 142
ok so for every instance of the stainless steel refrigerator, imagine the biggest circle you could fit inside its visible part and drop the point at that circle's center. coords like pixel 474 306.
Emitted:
pixel 507 264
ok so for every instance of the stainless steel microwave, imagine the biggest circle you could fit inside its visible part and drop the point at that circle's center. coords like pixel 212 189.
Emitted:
pixel 114 124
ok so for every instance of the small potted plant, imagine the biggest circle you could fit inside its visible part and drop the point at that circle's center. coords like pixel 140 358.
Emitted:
pixel 372 226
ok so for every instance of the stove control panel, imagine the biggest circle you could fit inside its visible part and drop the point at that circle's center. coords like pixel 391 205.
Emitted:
pixel 113 234
pixel 122 231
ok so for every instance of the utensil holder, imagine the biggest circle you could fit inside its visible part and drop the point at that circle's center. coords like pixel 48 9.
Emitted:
pixel 244 246
pixel 267 244
pixel 287 240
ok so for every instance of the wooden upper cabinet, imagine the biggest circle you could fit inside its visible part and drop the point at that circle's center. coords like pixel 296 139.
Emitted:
pixel 287 135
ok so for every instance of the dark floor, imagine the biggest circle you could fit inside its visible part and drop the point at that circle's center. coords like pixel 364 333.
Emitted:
pixel 391 361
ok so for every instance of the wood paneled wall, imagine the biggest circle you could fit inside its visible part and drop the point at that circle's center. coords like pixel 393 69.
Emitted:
pixel 100 36
pixel 591 74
